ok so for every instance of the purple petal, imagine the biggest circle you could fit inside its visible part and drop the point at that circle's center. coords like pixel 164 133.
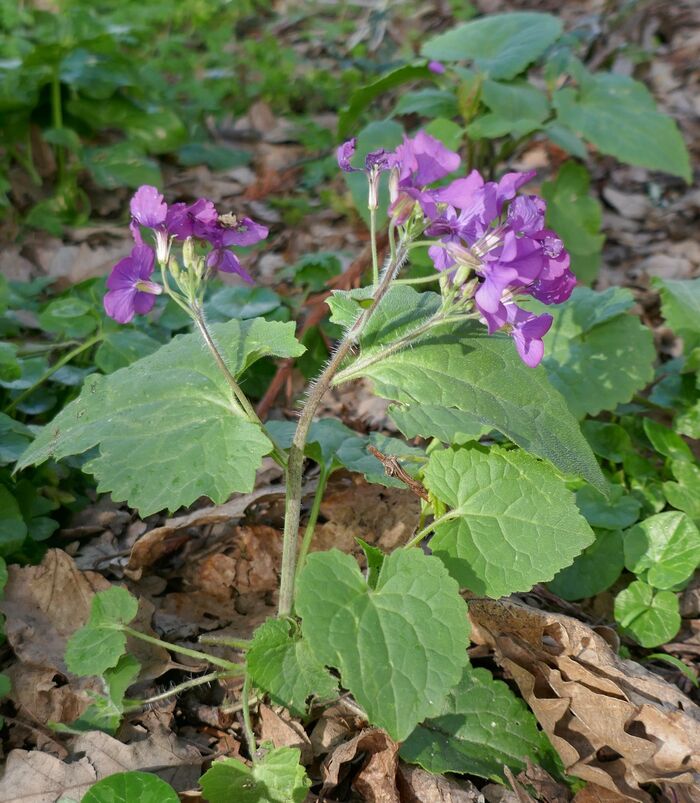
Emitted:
pixel 147 207
pixel 460 192
pixel 143 302
pixel 526 214
pixel 437 67
pixel 227 261
pixel 119 304
pixel 344 155
pixel 527 332
pixel 193 220
pixel 423 160
pixel 245 232
pixel 510 183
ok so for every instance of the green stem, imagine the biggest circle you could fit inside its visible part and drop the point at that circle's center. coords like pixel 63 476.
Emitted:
pixel 224 641
pixel 57 122
pixel 373 241
pixel 229 666
pixel 240 399
pixel 313 517
pixel 247 726
pixel 187 684
pixel 419 280
pixel 421 534
pixel 296 451
pixel 27 162
pixel 88 344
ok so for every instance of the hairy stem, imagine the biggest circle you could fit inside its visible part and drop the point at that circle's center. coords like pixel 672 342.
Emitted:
pixel 229 666
pixel 296 451
pixel 187 684
pixel 224 641
pixel 313 517
pixel 247 725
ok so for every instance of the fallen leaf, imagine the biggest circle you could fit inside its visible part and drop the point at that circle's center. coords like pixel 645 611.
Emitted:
pixel 416 785
pixel 283 731
pixel 376 780
pixel 598 794
pixel 612 722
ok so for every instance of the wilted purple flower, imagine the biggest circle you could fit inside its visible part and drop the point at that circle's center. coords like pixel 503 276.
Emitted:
pixel 437 67
pixel 131 291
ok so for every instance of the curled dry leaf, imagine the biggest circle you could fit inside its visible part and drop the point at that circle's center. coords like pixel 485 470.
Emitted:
pixel 612 722
pixel 376 780
pixel 417 785
pixel 283 731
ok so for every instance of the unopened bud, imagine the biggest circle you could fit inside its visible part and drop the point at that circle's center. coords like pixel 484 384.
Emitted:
pixel 373 195
pixel 162 247
pixel 393 184
pixel 189 254
pixel 174 268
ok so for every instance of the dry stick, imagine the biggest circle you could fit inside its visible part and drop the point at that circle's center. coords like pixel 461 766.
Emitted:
pixel 296 451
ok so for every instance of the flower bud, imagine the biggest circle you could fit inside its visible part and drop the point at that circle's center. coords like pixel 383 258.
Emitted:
pixel 174 268
pixel 189 254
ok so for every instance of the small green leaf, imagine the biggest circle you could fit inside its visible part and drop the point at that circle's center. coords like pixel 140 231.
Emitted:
pixel 667 442
pixel 684 494
pixel 13 529
pixel 619 116
pixel 401 646
pixel 512 522
pixel 614 512
pixel 447 131
pixel 276 778
pixel 680 306
pixel 130 787
pixel 594 570
pixel 597 364
pixel 243 302
pixel 650 617
pixel 609 441
pixel 100 644
pixel 282 663
pixel 482 727
pixel 501 45
pixel 68 316
pixel 166 425
pixel 105 712
pixel 9 366
pixel 218 157
pixel 666 546
pixel 688 671
pixel 121 165
pixel 375 560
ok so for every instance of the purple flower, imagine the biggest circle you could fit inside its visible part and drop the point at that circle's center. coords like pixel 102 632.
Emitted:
pixel 424 160
pixel 226 261
pixel 130 290
pixel 527 330
pixel 148 208
pixel 231 230
pixel 192 220
pixel 437 67
pixel 345 153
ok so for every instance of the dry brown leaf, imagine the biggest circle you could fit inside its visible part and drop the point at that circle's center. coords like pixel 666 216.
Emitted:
pixel 376 780
pixel 417 785
pixel 284 732
pixel 334 726
pixel 35 777
pixel 613 722
pixel 160 541
pixel 598 794
pixel 546 788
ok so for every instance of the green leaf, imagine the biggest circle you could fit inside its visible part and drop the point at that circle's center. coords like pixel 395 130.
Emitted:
pixel 511 522
pixel 129 787
pixel 276 778
pixel 401 646
pixel 481 727
pixel 428 103
pixel 13 530
pixel 444 423
pixel 14 439
pixel 165 425
pixel 3 575
pixel 68 316
pixel 650 617
pixel 375 560
pixel 346 305
pixel 516 110
pixel 5 687
pixel 614 512
pixel 493 125
pixel 105 712
pixel 282 663
pixel 460 366
pixel 218 157
pixel 576 216
pixel 243 302
pixel 680 307
pixel 100 644
pixel 684 494
pixel 501 45
pixel 594 570
pixel 688 671
pixel 666 547
pixel 566 139
pixel 361 98
pixel 447 131
pixel 121 348
pixel 9 366
pixel 619 116
pixel 666 441
pixel 597 365
pixel 121 165
pixel 609 441
pixel 385 134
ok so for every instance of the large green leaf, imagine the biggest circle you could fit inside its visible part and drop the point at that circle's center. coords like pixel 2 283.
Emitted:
pixel 666 547
pixel 444 423
pixel 283 664
pixel 501 45
pixel 460 366
pixel 619 116
pixel 401 646
pixel 511 521
pixel 165 424
pixel 482 727
pixel 515 109
pixel 597 361
pixel 276 778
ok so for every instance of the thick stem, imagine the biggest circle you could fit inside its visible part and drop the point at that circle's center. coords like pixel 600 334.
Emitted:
pixel 229 666
pixel 296 451
pixel 313 517
pixel 247 725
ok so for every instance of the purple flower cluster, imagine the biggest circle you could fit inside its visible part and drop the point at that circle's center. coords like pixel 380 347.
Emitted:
pixel 130 290
pixel 484 227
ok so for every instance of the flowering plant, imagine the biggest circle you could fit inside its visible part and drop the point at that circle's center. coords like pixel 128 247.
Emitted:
pixel 462 360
